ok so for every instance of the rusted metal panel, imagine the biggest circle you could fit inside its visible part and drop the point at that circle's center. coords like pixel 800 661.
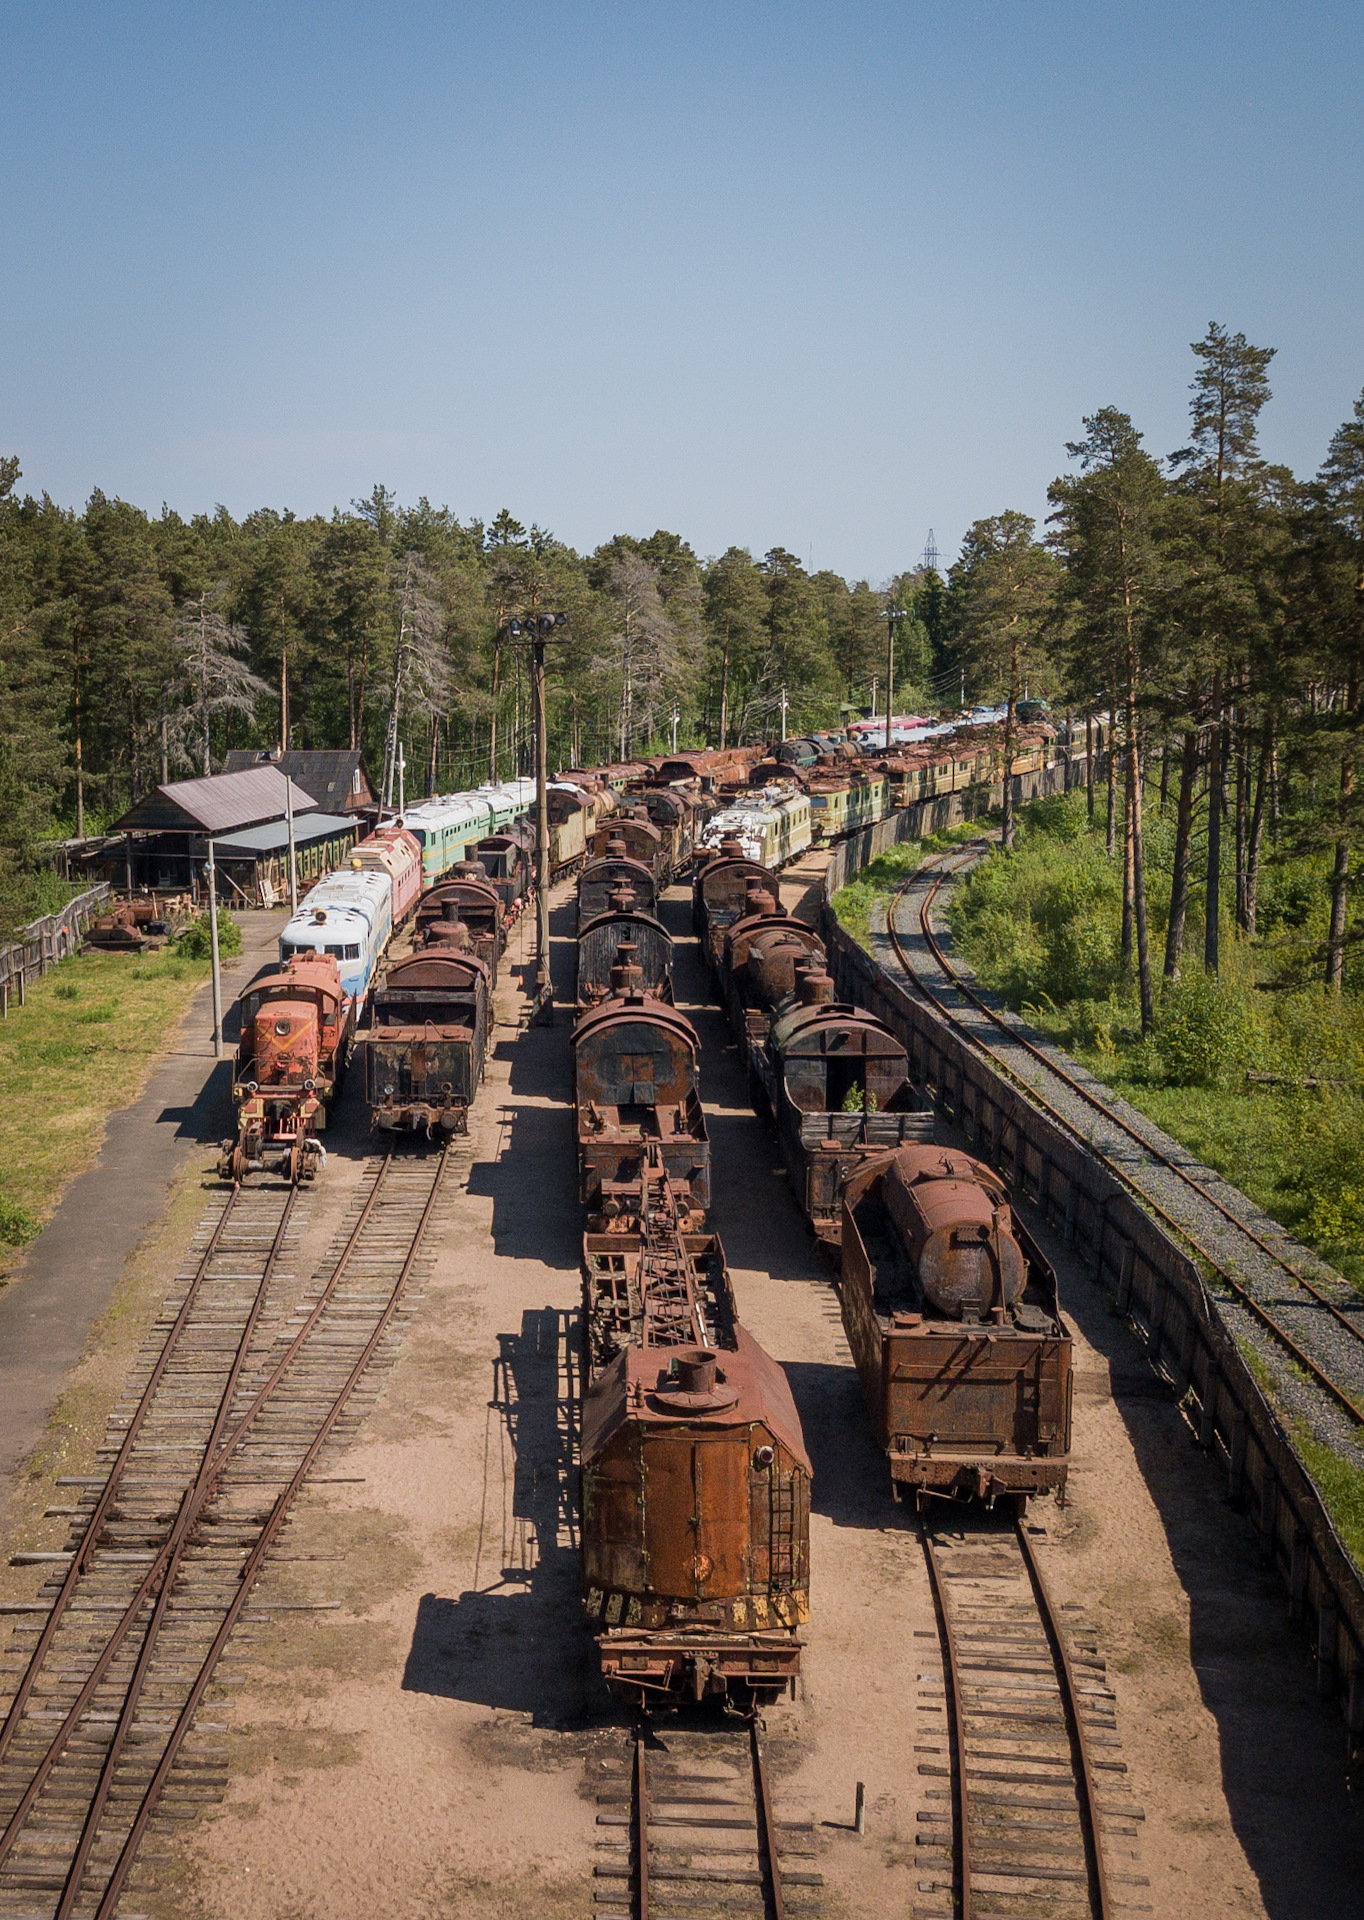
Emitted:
pixel 604 884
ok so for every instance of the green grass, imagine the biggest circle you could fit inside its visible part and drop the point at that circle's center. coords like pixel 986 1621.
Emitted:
pixel 880 877
pixel 1042 926
pixel 79 1050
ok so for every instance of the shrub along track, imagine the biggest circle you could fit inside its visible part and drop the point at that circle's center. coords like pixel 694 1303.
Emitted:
pixel 1318 1321
pixel 234 1400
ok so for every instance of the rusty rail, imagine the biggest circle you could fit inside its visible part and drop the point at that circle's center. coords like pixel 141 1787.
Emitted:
pixel 1156 1284
pixel 1077 1087
pixel 1087 1792
pixel 256 1558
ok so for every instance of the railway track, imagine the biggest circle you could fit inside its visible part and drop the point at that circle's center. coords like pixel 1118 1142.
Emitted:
pixel 239 1392
pixel 687 1827
pixel 1320 1324
pixel 1031 1812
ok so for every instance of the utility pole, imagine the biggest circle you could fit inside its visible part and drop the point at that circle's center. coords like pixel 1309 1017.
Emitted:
pixel 676 717
pixel 783 703
pixel 293 858
pixel 892 615
pixel 402 784
pixel 538 628
pixel 213 949
pixel 875 683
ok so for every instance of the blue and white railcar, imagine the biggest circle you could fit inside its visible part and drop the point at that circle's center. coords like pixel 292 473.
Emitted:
pixel 349 914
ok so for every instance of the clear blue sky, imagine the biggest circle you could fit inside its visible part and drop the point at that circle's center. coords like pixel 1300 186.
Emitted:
pixel 822 276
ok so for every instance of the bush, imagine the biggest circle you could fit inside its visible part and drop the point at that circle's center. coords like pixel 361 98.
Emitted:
pixel 17 1225
pixel 196 942
pixel 1207 1032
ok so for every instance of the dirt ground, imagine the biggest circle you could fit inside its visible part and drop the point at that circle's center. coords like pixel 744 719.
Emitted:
pixel 428 1746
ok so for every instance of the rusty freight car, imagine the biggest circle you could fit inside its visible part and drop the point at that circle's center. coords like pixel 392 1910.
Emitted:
pixel 952 1316
pixel 695 1482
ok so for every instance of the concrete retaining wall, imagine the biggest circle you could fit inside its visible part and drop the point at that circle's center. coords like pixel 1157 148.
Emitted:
pixel 1155 1285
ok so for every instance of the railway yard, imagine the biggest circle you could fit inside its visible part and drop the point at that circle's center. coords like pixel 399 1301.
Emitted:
pixel 293 1621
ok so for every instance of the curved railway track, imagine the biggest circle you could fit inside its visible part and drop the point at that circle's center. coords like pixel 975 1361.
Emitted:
pixel 1040 1817
pixel 1250 1267
pixel 238 1393
pixel 693 1830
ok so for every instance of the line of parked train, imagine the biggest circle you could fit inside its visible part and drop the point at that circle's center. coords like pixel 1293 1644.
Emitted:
pixel 695 1479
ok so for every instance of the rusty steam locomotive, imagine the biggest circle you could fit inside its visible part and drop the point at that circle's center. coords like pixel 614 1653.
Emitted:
pixel 695 1481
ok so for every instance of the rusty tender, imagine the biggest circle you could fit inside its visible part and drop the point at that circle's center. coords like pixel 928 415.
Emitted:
pixel 428 1041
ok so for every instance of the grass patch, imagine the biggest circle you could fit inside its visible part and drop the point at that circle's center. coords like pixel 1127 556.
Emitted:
pixel 79 1050
pixel 1041 925
pixel 879 879
pixel 1342 1488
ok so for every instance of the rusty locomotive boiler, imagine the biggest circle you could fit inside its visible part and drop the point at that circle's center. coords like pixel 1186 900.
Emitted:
pixel 695 1482
pixel 297 1032
pixel 635 1093
pixel 720 894
pixel 951 1313
pixel 837 1085
pixel 602 879
pixel 623 936
pixel 428 1042
pixel 464 909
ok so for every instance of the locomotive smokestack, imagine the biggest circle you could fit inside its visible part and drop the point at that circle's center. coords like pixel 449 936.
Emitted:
pixel 616 849
pixel 627 976
pixel 816 987
pixel 696 1372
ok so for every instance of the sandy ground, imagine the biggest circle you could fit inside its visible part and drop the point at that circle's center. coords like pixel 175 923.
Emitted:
pixel 430 1746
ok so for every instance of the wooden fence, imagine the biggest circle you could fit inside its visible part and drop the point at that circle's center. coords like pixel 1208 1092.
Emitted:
pixel 47 941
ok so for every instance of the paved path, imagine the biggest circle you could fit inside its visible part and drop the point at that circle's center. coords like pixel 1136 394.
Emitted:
pixel 69 1274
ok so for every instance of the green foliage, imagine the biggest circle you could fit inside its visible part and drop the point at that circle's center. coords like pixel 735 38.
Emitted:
pixel 17 1224
pixel 196 940
pixel 1208 1032
pixel 855 1100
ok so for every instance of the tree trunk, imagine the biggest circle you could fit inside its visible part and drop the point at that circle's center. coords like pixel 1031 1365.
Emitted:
pixel 1164 773
pixel 1126 951
pixel 1340 871
pixel 1007 829
pixel 350 695
pixel 1212 898
pixel 1179 885
pixel 1257 826
pixel 1089 766
pixel 1242 823
pixel 1111 828
pixel 724 695
pixel 1136 850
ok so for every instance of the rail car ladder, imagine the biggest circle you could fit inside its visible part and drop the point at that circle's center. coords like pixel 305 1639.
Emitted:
pixel 782 1522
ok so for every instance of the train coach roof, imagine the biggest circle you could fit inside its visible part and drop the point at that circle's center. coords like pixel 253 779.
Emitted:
pixel 808 1029
pixel 624 1394
pixel 636 1009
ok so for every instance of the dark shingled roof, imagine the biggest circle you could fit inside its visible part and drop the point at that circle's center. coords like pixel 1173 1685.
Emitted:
pixel 328 773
